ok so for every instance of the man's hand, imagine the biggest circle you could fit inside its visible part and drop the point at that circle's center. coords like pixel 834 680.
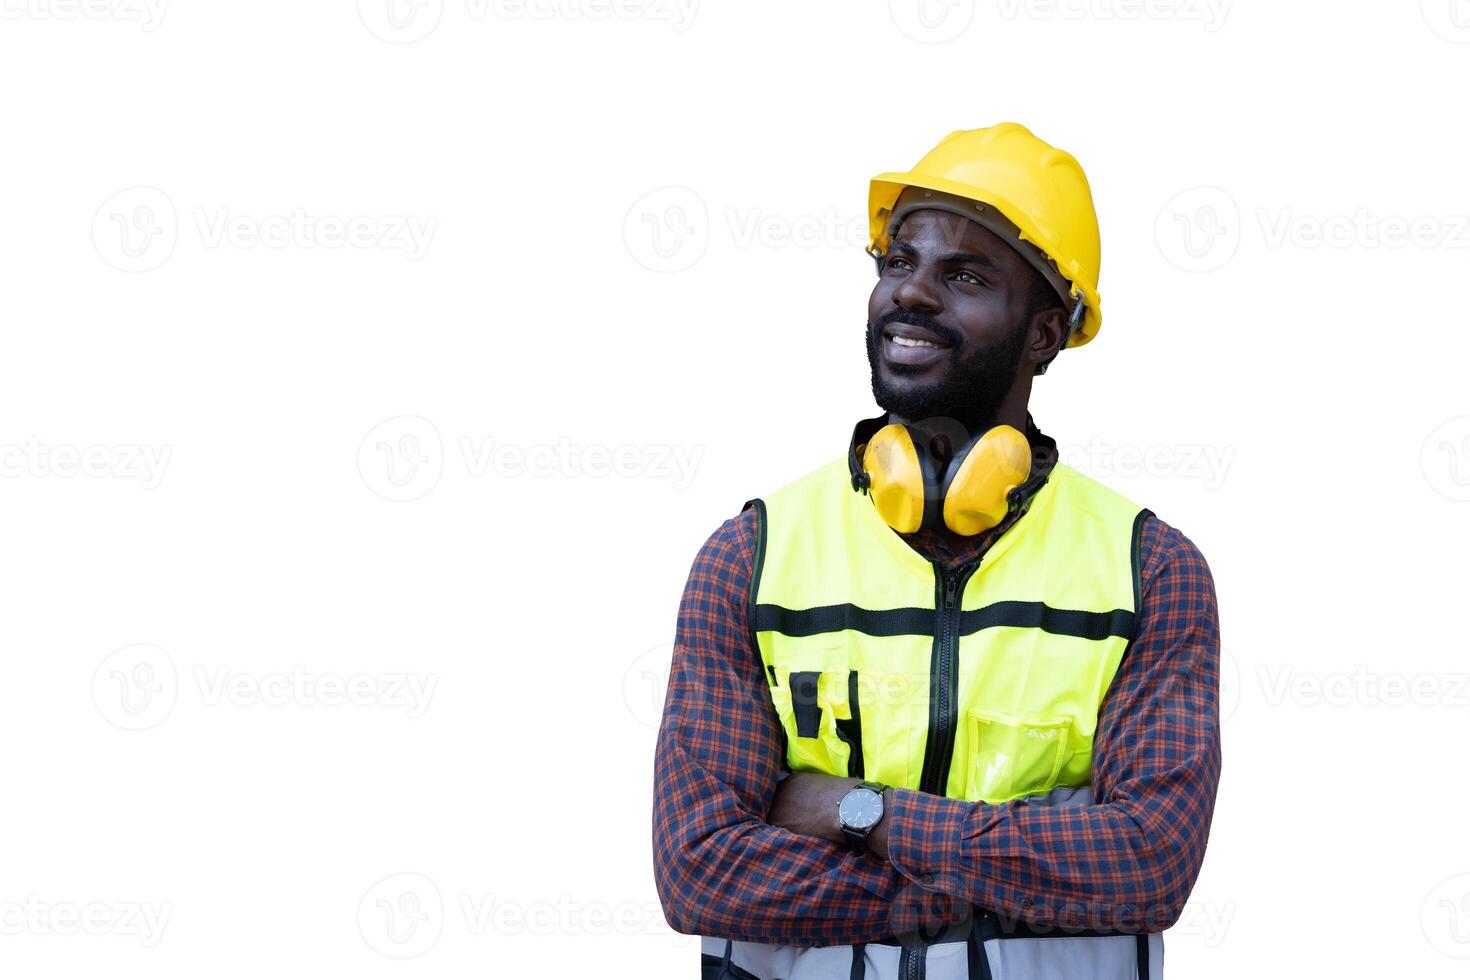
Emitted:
pixel 806 803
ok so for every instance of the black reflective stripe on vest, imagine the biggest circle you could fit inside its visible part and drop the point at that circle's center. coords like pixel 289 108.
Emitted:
pixel 803 685
pixel 1143 957
pixel 910 621
pixel 913 621
pixel 850 730
pixel 1038 615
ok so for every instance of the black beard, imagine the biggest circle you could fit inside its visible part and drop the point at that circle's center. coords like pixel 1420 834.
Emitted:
pixel 973 387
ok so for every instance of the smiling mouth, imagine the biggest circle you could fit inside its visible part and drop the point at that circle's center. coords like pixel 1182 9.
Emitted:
pixel 912 342
pixel 905 335
pixel 908 345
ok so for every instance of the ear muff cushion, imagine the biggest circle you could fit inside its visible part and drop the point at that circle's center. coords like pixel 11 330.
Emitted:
pixel 975 497
pixel 895 478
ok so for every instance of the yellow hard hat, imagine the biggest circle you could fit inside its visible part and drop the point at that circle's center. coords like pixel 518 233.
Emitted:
pixel 1040 190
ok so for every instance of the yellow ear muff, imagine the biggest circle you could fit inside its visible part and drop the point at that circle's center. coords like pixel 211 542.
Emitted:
pixel 895 478
pixel 978 494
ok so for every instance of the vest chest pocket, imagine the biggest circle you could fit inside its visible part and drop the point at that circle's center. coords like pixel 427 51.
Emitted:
pixel 820 712
pixel 1010 757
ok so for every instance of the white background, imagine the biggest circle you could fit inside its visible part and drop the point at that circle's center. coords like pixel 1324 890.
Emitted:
pixel 250 465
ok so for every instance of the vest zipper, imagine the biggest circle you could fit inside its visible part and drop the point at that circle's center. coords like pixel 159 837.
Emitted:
pixel 949 589
pixel 911 963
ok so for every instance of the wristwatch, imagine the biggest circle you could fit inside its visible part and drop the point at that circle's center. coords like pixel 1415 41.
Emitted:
pixel 859 812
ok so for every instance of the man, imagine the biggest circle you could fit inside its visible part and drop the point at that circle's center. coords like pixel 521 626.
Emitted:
pixel 945 707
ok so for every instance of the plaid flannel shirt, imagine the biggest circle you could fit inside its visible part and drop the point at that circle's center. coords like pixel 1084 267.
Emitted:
pixel 1125 863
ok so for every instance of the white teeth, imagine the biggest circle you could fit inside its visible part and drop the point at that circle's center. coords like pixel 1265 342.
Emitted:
pixel 912 342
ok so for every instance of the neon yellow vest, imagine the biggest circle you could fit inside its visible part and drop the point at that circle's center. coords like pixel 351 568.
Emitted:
pixel 983 685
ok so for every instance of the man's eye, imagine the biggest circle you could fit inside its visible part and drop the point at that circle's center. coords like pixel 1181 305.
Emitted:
pixel 969 277
pixel 895 262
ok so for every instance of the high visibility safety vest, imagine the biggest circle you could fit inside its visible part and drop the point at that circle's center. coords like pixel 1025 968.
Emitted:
pixel 979 684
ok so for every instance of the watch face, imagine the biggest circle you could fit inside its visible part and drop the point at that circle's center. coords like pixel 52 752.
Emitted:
pixel 860 809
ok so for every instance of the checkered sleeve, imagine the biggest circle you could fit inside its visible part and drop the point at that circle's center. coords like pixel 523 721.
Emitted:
pixel 1128 861
pixel 720 869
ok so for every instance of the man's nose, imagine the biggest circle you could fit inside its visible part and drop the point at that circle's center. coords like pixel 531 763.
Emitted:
pixel 919 291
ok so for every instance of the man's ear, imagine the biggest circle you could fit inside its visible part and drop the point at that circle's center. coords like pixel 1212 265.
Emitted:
pixel 1048 336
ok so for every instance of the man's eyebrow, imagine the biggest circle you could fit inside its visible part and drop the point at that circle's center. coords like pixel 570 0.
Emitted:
pixel 969 258
pixel 949 258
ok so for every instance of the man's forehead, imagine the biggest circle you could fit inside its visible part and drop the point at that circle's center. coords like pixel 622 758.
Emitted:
pixel 943 230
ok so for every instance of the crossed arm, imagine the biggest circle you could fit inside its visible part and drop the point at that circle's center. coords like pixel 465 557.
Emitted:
pixel 739 855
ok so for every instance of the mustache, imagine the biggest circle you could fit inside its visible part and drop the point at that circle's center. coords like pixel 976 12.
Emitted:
pixel 924 321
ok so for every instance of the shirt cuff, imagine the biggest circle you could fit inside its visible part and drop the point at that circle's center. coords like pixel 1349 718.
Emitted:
pixel 924 833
